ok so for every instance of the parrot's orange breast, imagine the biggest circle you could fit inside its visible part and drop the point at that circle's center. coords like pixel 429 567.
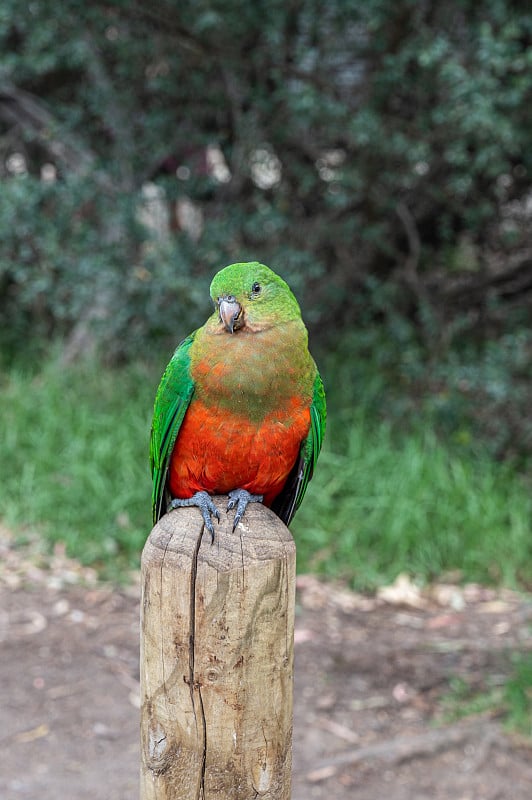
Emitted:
pixel 218 450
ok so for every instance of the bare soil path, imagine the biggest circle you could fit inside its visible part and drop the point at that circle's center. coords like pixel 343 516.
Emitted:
pixel 370 677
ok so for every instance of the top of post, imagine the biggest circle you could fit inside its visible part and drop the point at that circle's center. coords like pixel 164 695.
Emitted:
pixel 260 536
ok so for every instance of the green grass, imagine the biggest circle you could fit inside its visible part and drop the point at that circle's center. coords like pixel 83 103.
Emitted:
pixel 508 696
pixel 74 460
pixel 518 695
pixel 383 501
pixel 462 700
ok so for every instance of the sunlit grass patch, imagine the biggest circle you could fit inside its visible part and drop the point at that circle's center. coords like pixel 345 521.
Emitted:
pixel 75 446
pixel 383 500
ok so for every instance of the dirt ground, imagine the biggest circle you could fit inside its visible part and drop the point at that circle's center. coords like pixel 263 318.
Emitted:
pixel 370 676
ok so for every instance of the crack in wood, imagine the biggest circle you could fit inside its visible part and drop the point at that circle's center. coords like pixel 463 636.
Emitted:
pixel 193 685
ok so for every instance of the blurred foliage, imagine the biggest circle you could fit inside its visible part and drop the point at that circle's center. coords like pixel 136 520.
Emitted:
pixel 478 395
pixel 378 155
pixel 356 147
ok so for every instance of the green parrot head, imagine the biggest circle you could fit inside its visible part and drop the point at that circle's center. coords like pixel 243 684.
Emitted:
pixel 251 296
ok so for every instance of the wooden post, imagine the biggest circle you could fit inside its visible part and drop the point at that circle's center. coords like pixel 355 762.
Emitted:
pixel 216 661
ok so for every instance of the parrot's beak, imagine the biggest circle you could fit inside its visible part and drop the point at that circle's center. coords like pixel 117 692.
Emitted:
pixel 230 312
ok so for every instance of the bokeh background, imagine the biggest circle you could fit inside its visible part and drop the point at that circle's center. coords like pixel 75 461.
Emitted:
pixel 378 155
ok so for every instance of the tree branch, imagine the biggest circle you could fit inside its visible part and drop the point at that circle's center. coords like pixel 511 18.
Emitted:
pixel 18 107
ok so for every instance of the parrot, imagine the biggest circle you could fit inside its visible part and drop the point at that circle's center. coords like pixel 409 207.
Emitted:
pixel 240 409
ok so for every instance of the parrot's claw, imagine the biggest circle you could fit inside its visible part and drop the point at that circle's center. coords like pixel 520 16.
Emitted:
pixel 240 498
pixel 204 502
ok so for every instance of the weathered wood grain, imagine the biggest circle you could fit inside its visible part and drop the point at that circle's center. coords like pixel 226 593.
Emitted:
pixel 217 658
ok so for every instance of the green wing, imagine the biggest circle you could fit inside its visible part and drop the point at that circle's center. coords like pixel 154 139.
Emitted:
pixel 289 500
pixel 171 402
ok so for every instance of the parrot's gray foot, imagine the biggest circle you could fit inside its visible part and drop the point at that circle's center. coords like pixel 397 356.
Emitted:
pixel 204 502
pixel 240 498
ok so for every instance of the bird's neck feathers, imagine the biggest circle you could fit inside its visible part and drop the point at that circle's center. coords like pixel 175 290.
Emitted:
pixel 256 371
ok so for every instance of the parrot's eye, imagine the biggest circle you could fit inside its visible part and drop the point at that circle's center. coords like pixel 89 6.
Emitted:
pixel 255 289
